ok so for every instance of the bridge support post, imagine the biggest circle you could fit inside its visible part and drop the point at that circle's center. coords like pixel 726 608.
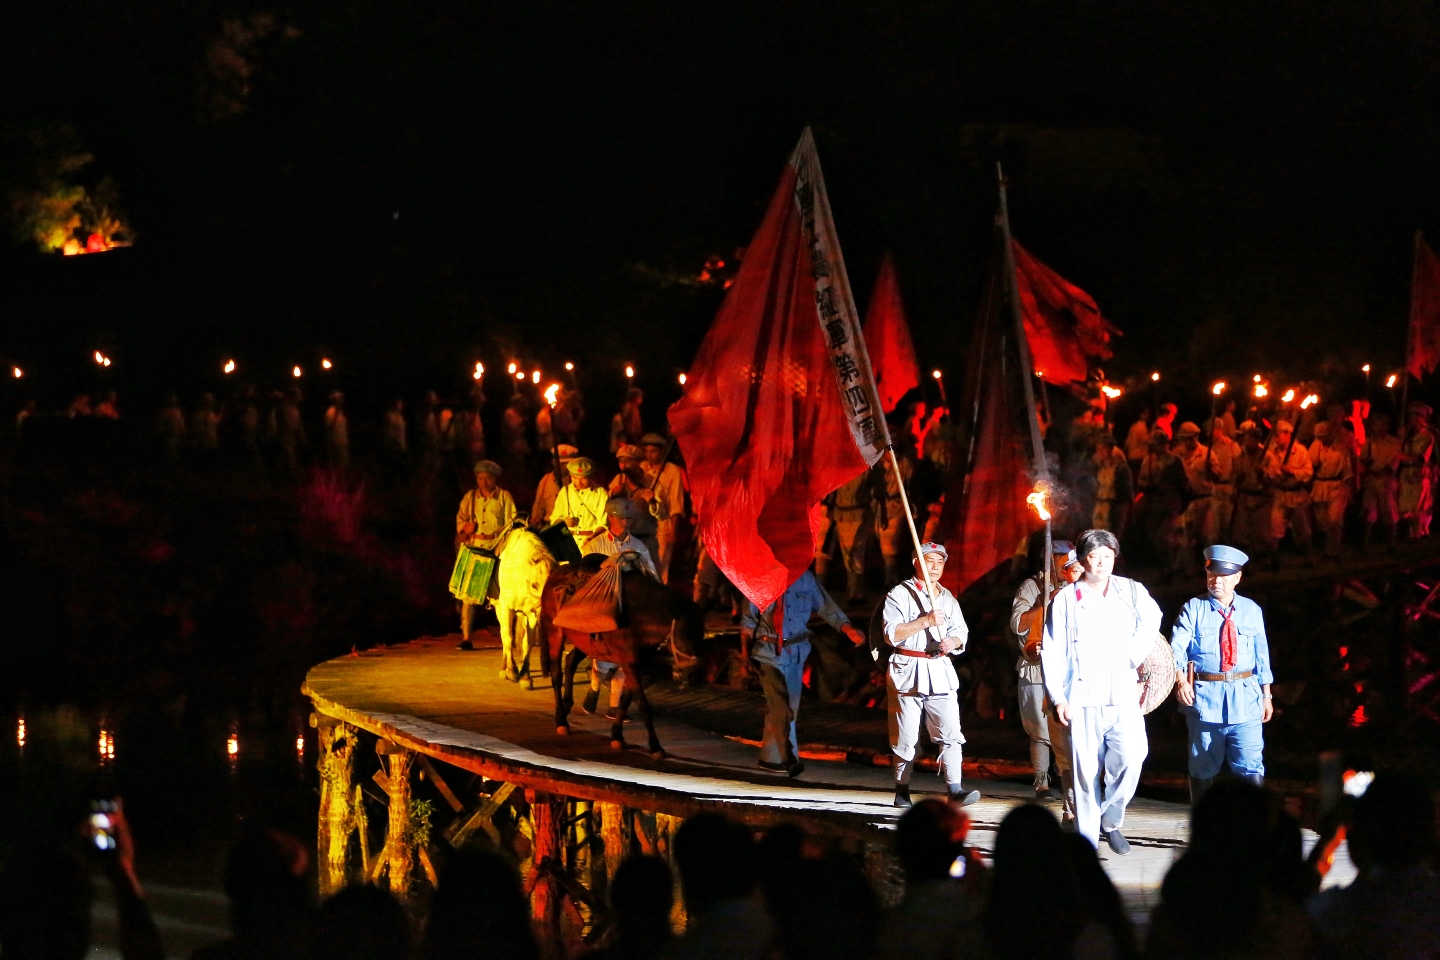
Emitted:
pixel 336 766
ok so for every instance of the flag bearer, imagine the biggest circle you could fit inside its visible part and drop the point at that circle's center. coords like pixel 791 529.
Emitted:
pixel 921 680
pixel 1223 636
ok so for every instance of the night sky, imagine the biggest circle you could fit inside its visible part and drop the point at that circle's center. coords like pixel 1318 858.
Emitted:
pixel 410 186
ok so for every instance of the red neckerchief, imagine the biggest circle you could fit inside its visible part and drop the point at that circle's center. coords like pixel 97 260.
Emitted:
pixel 1229 637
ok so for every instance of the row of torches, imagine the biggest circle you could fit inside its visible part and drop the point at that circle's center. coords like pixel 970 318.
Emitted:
pixel 105 743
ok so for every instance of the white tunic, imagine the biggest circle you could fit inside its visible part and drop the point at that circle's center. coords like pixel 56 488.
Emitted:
pixel 1095 642
pixel 919 675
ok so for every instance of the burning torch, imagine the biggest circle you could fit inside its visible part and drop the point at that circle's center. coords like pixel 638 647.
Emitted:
pixel 1037 499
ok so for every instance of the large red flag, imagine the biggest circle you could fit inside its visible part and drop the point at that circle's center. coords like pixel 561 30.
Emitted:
pixel 1062 323
pixel 780 405
pixel 887 338
pixel 985 516
pixel 1423 351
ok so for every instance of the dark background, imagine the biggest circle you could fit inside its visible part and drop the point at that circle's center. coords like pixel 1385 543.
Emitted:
pixel 1237 184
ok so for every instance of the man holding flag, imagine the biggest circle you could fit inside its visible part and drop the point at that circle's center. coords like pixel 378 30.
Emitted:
pixel 780 406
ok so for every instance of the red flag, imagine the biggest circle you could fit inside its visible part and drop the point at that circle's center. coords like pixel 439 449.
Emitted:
pixel 1423 352
pixel 1062 323
pixel 780 405
pixel 985 516
pixel 887 338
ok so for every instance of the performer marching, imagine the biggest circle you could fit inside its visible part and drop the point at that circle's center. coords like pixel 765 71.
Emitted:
pixel 1226 699
pixel 1027 619
pixel 484 515
pixel 781 656
pixel 921 680
pixel 1099 633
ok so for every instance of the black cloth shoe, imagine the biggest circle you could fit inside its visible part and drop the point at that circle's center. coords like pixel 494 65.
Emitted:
pixel 592 700
pixel 963 798
pixel 464 645
pixel 902 796
pixel 795 769
pixel 1048 793
pixel 1117 842
pixel 775 767
pixel 1198 786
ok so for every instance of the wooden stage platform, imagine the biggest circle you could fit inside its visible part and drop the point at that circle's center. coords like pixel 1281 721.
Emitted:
pixel 428 699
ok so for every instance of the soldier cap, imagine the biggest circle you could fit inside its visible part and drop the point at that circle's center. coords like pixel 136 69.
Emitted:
pixel 487 466
pixel 580 467
pixel 1224 560
pixel 627 451
pixel 928 548
pixel 1322 429
pixel 566 453
pixel 623 507
pixel 652 440
pixel 1188 429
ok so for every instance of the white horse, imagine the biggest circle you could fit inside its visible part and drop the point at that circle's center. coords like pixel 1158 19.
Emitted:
pixel 525 565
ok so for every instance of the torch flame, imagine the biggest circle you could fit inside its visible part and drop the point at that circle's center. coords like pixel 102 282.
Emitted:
pixel 535 377
pixel 629 372
pixel 325 363
pixel 569 365
pixel 1309 401
pixel 1261 390
pixel 1218 389
pixel 1155 376
pixel 18 373
pixel 1256 378
pixel 1390 381
pixel 935 374
pixel 1289 395
pixel 550 393
pixel 1365 369
pixel 1111 392
pixel 229 366
pixel 1037 500
pixel 682 379
pixel 512 368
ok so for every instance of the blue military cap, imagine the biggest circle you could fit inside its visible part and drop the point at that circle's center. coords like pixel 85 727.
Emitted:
pixel 1066 548
pixel 1224 560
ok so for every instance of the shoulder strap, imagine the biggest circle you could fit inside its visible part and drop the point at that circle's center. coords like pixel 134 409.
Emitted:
pixel 918 603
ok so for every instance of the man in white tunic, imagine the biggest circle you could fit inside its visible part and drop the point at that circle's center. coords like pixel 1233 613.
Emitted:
pixel 617 538
pixel 1098 634
pixel 921 680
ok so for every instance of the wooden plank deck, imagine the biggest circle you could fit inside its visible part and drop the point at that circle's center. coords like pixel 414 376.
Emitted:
pixel 453 706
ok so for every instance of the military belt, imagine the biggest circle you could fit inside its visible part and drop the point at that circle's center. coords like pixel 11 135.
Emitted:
pixel 1225 677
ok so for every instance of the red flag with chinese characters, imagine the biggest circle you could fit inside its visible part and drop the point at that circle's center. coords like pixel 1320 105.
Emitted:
pixel 985 516
pixel 887 338
pixel 1062 323
pixel 780 406
pixel 1423 352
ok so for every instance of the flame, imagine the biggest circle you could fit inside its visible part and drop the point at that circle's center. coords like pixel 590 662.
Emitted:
pixel 20 733
pixel 1261 390
pixel 296 372
pixel 1309 401
pixel 513 367
pixel 569 365
pixel 300 748
pixel 478 375
pixel 1257 378
pixel 519 375
pixel 1219 388
pixel 229 366
pixel 1155 377
pixel 101 359
pixel 1037 500
pixel 106 746
pixel 1365 369
pixel 17 372
pixel 935 374
pixel 232 745
pixel 1289 396
pixel 1111 392
pixel 682 379
pixel 550 393
pixel 629 372
pixel 325 364
pixel 535 377
pixel 1390 381
pixel 479 370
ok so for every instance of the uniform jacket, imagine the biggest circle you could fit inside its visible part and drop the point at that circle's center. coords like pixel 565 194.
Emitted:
pixel 491 515
pixel 804 598
pixel 919 675
pixel 1196 637
pixel 1086 668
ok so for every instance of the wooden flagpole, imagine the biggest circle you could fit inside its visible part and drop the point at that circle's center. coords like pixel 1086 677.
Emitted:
pixel 910 520
pixel 1042 467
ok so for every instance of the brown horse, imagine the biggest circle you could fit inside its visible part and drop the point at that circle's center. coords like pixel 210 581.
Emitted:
pixel 653 616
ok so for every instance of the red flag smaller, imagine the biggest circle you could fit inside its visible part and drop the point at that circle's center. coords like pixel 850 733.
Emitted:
pixel 1423 354
pixel 1062 323
pixel 887 338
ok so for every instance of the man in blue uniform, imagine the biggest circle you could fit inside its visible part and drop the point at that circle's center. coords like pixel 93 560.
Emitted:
pixel 781 655
pixel 1222 675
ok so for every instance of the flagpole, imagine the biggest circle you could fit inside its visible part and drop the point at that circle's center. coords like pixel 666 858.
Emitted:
pixel 910 520
pixel 1042 467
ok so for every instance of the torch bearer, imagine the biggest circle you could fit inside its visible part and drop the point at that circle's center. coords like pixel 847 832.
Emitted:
pixel 1037 500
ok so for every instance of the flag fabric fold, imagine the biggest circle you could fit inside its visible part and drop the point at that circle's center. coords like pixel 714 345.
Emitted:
pixel 1422 352
pixel 1063 325
pixel 780 406
pixel 985 517
pixel 887 339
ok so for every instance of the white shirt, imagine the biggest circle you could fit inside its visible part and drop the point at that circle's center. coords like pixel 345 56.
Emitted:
pixel 1095 642
pixel 607 543
pixel 919 675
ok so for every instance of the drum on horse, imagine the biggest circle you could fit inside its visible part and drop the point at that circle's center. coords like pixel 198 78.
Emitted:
pixel 653 616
